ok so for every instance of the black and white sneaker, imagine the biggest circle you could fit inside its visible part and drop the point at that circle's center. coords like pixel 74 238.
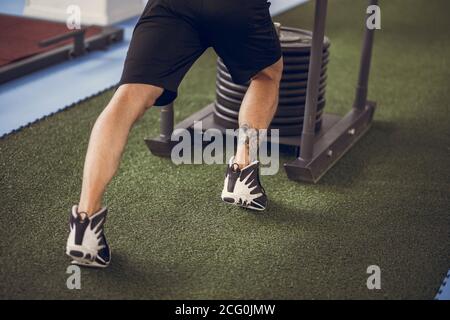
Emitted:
pixel 87 244
pixel 243 188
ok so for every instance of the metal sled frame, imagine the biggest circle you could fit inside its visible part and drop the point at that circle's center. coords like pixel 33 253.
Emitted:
pixel 318 152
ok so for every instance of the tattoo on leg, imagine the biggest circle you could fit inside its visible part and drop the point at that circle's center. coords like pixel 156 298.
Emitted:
pixel 243 137
pixel 248 136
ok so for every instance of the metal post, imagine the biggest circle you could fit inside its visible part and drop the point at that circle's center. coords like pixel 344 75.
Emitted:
pixel 364 70
pixel 79 47
pixel 315 68
pixel 166 122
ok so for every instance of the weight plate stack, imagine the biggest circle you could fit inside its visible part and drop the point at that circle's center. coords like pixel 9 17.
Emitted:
pixel 296 48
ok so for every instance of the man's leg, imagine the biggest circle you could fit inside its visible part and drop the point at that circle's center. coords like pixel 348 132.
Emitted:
pixel 258 107
pixel 242 186
pixel 108 139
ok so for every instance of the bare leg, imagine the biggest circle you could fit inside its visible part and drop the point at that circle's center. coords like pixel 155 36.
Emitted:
pixel 259 106
pixel 108 139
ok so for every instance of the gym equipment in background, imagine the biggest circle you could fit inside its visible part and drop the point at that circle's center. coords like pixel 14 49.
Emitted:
pixel 296 47
pixel 98 12
pixel 35 44
pixel 324 138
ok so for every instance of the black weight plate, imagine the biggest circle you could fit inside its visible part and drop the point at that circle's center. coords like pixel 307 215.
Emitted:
pixel 291 130
pixel 286 131
pixel 292 111
pixel 298 40
pixel 297 111
pixel 287 69
pixel 299 76
pixel 301 92
pixel 285 90
pixel 282 100
pixel 300 68
pixel 231 104
pixel 288 81
pixel 294 60
pixel 276 120
pixel 306 52
pixel 290 101
pixel 274 124
pixel 231 85
pixel 235 105
pixel 287 76
pixel 283 121
pixel 229 93
pixel 240 95
pixel 296 85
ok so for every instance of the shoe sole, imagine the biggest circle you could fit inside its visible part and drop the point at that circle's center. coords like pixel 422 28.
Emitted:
pixel 232 202
pixel 88 264
pixel 84 257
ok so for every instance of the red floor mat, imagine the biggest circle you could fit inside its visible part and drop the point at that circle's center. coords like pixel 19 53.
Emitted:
pixel 20 37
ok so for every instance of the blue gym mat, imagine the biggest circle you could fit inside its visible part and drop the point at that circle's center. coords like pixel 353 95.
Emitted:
pixel 444 290
pixel 42 93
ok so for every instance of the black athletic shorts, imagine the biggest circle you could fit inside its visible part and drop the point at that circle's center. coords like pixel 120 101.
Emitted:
pixel 172 34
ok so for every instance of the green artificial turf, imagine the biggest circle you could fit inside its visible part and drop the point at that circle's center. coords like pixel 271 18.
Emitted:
pixel 385 203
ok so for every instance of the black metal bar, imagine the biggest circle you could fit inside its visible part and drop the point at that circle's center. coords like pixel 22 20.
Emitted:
pixel 315 66
pixel 364 71
pixel 166 122
pixel 79 47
